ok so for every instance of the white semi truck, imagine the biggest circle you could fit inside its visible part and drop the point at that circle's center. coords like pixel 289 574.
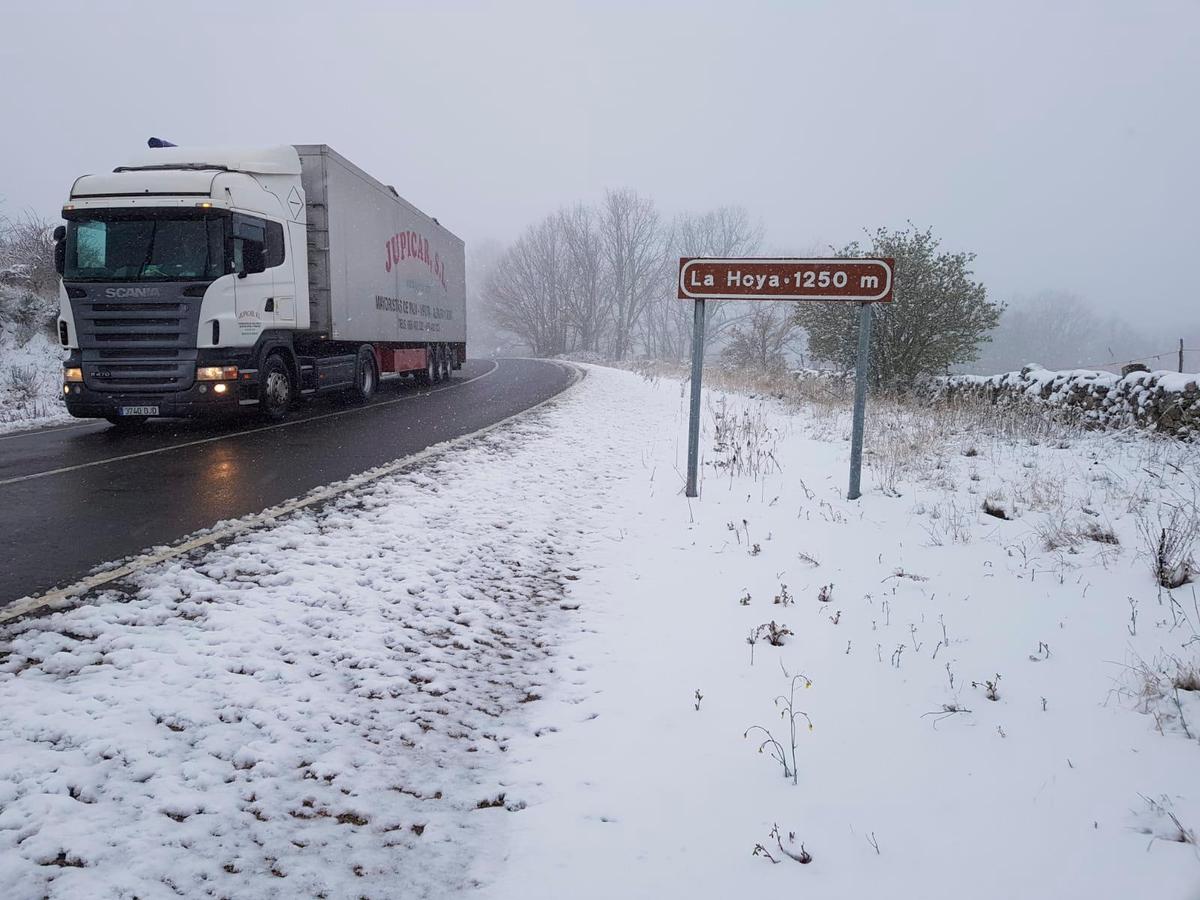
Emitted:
pixel 197 281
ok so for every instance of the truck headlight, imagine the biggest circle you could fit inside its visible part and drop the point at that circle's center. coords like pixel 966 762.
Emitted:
pixel 216 373
pixel 72 374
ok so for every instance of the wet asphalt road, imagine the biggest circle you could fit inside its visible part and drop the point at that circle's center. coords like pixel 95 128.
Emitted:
pixel 76 497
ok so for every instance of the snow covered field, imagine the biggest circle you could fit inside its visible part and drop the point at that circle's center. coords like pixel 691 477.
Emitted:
pixel 527 668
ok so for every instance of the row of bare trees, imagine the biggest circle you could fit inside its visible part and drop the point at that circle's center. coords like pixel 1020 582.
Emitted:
pixel 601 279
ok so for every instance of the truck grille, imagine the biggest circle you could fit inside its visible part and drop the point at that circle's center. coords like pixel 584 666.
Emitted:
pixel 137 345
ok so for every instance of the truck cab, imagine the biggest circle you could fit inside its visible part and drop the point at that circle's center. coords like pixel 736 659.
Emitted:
pixel 178 271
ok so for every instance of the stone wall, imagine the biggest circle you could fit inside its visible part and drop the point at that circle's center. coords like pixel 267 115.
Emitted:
pixel 1165 402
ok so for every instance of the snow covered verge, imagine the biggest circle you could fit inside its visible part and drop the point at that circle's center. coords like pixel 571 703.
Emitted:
pixel 30 381
pixel 1002 703
pixel 532 669
pixel 316 709
pixel 1165 402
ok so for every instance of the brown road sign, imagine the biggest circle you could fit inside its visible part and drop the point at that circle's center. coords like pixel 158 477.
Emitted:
pixel 852 279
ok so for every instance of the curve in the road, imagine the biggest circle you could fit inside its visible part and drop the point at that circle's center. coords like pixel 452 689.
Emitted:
pixel 69 502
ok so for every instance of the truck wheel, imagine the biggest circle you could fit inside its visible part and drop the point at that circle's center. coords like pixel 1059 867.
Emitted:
pixel 430 373
pixel 447 365
pixel 365 379
pixel 439 369
pixel 275 395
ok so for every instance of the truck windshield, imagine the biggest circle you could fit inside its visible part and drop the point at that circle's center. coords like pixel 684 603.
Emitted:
pixel 146 246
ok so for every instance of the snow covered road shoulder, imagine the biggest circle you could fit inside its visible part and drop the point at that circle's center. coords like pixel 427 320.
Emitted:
pixel 316 709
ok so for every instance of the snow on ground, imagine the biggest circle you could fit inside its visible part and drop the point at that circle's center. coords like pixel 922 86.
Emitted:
pixel 30 382
pixel 1054 789
pixel 523 670
pixel 317 709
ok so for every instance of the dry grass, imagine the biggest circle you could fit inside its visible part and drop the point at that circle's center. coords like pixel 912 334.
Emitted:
pixel 1169 539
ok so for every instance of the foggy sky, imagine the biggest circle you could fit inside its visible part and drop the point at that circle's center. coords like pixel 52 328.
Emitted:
pixel 1060 141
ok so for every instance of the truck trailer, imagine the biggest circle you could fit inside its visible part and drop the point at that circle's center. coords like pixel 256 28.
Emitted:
pixel 201 281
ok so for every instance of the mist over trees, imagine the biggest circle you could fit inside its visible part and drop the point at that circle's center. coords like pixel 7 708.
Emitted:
pixel 601 279
pixel 1059 330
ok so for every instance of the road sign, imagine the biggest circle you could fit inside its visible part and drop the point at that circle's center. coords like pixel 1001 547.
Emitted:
pixel 853 280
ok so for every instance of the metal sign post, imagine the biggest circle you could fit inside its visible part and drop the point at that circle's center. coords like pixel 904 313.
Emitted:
pixel 694 420
pixel 860 399
pixel 863 281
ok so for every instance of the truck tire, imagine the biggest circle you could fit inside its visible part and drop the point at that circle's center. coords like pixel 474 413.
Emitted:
pixel 366 379
pixel 447 365
pixel 429 374
pixel 276 389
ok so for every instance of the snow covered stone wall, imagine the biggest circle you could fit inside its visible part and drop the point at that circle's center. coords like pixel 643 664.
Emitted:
pixel 1166 402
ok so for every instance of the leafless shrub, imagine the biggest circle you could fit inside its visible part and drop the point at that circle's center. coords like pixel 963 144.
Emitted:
pixel 993 505
pixel 1186 677
pixel 949 519
pixel 775 634
pixel 1101 534
pixel 1155 686
pixel 801 856
pixel 947 710
pixel 1169 539
pixel 791 714
pixel 23 382
pixel 911 576
pixel 991 687
pixel 743 442
pixel 1057 533
pixel 27 254
pixel 1174 830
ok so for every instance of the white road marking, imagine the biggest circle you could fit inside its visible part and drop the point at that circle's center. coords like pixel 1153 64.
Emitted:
pixel 233 434
pixel 29 432
pixel 60 598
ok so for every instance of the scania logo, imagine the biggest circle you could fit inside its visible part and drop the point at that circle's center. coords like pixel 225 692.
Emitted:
pixel 132 292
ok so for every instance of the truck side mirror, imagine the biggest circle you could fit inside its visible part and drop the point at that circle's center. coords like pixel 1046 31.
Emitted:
pixel 60 249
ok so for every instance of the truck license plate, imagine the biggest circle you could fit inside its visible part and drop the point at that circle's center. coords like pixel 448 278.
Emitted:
pixel 139 410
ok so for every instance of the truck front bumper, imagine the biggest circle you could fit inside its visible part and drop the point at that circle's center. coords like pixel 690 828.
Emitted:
pixel 201 399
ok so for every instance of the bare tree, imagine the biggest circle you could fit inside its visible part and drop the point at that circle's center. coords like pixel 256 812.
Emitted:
pixel 588 306
pixel 525 289
pixel 633 243
pixel 724 231
pixel 485 332
pixel 761 339
pixel 27 254
pixel 28 280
